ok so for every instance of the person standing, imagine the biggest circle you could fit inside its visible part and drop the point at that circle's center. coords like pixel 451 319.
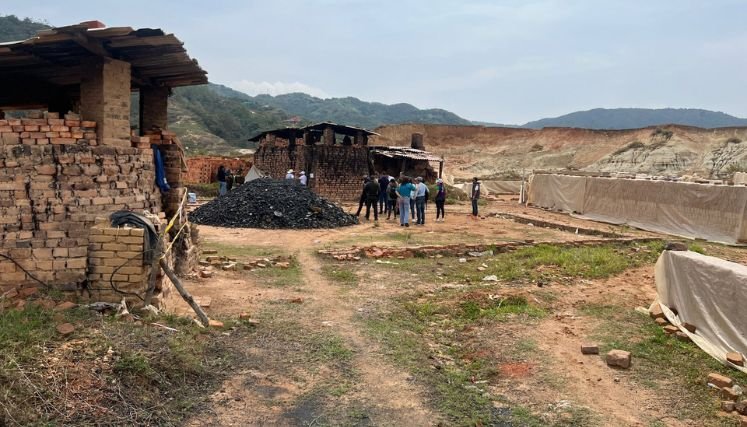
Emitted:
pixel 404 193
pixel 383 184
pixel 229 180
pixel 303 179
pixel 440 199
pixel 391 199
pixel 221 180
pixel 362 199
pixel 421 191
pixel 290 176
pixel 371 190
pixel 475 195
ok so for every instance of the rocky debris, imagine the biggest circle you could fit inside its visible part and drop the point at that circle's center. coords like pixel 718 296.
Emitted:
pixel 719 381
pixel 589 349
pixel 741 407
pixel 735 358
pixel 671 329
pixel 271 204
pixel 682 336
pixel 215 323
pixel 233 264
pixel 676 246
pixel 656 312
pixel 491 278
pixel 661 322
pixel 618 358
pixel 65 329
pixel 209 252
pixel 728 405
pixel 731 393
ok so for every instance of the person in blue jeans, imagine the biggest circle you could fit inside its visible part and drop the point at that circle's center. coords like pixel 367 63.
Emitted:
pixel 222 188
pixel 404 191
pixel 421 192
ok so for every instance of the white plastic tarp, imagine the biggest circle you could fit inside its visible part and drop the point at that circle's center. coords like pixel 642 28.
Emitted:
pixel 253 174
pixel 740 178
pixel 709 293
pixel 713 212
pixel 557 192
pixel 502 187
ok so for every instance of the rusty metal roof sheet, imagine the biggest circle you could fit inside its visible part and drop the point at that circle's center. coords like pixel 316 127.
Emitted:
pixel 55 55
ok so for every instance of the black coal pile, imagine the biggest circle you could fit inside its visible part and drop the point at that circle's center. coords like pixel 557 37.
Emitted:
pixel 266 203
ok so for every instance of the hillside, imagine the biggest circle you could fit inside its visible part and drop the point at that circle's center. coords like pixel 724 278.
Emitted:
pixel 493 151
pixel 353 111
pixel 13 28
pixel 635 118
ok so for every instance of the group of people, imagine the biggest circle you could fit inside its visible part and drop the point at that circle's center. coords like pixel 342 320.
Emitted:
pixel 406 198
pixel 227 179
pixel 302 178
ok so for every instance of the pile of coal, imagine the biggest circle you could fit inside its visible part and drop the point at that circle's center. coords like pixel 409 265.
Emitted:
pixel 266 203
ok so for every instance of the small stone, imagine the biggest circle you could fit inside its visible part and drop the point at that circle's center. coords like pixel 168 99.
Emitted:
pixel 742 421
pixel 297 300
pixel 589 349
pixel 282 264
pixel 65 305
pixel 656 312
pixel 671 329
pixel 731 393
pixel 245 316
pixel 206 274
pixel 661 321
pixel 10 294
pixel 215 323
pixel 689 327
pixel 719 380
pixel 491 278
pixel 735 358
pixel 65 329
pixel 682 336
pixel 231 266
pixel 209 251
pixel 727 405
pixel 27 292
pixel 462 260
pixel 619 358
pixel 741 407
pixel 47 304
pixel 676 246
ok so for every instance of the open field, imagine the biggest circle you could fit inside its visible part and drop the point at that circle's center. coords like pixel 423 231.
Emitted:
pixel 420 340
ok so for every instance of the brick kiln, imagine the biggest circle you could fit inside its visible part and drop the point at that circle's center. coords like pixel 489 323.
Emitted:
pixel 62 175
pixel 335 158
pixel 204 169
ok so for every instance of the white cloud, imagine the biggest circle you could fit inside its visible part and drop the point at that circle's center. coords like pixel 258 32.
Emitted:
pixel 277 88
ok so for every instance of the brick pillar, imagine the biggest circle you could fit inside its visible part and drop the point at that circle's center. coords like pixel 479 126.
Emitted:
pixel 154 104
pixel 105 99
pixel 329 136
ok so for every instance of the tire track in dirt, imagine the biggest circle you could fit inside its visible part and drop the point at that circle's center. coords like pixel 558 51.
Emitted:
pixel 395 400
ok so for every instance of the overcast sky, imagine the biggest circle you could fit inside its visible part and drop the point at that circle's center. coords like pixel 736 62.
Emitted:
pixel 496 61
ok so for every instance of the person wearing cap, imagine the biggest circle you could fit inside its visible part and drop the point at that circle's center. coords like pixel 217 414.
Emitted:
pixel 475 195
pixel 289 175
pixel 440 199
pixel 421 194
pixel 302 178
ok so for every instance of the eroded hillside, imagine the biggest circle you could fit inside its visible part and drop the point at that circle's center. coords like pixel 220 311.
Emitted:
pixel 490 151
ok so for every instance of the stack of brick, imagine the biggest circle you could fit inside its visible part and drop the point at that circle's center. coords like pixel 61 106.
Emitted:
pixel 48 130
pixel 204 169
pixel 51 192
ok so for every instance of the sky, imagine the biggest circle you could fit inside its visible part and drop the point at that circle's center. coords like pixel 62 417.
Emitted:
pixel 496 61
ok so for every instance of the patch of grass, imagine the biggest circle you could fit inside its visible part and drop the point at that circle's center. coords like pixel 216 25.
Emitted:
pixel 24 333
pixel 276 276
pixel 331 348
pixel 696 248
pixel 661 361
pixel 341 273
pixel 500 309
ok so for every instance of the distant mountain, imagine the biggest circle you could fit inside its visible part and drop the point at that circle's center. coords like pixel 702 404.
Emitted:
pixel 13 28
pixel 353 111
pixel 633 118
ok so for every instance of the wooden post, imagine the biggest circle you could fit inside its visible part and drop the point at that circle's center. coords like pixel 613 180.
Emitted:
pixel 441 169
pixel 183 292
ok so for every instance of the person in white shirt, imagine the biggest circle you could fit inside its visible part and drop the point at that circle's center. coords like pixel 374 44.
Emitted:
pixel 421 191
pixel 289 175
pixel 302 178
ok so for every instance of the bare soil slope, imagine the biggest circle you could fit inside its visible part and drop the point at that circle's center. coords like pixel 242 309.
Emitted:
pixel 486 151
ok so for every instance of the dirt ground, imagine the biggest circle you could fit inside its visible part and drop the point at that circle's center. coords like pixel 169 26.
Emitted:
pixel 312 361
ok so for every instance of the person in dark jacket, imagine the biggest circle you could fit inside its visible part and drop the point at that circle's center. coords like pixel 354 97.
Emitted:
pixel 371 190
pixel 391 199
pixel 362 199
pixel 221 180
pixel 229 180
pixel 440 200
pixel 383 184
pixel 475 195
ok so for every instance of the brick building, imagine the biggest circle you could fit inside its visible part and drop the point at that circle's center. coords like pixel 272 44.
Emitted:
pixel 337 157
pixel 63 171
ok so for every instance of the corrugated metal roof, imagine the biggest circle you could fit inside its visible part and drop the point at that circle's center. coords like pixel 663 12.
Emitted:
pixel 55 55
pixel 404 152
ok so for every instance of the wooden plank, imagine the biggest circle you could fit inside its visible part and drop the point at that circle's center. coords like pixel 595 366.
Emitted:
pixel 121 42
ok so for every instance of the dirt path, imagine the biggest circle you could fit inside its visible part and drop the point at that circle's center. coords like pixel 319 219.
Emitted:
pixel 270 391
pixel 397 401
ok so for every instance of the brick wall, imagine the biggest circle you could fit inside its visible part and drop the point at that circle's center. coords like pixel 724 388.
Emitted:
pixel 105 99
pixel 203 170
pixel 338 170
pixel 51 193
